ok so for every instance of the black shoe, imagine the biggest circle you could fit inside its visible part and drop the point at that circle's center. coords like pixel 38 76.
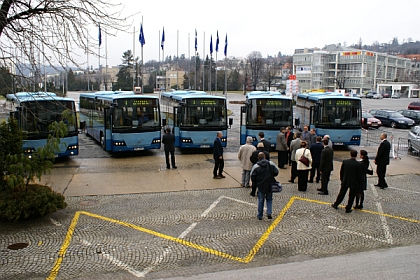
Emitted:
pixel 269 217
pixel 291 181
pixel 349 210
pixel 323 193
pixel 317 182
pixel 174 167
pixel 259 218
pixel 222 176
pixel 358 207
pixel 217 177
pixel 334 206
pixel 383 188
pixel 377 185
pixel 310 181
pixel 168 167
pixel 320 190
pixel 283 168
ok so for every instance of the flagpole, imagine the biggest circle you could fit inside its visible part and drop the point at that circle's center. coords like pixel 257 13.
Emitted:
pixel 204 54
pixel 157 84
pixel 99 59
pixel 225 52
pixel 217 50
pixel 211 58
pixel 189 63
pixel 134 56
pixel 195 61
pixel 177 55
pixel 163 55
pixel 141 65
pixel 87 58
pixel 106 62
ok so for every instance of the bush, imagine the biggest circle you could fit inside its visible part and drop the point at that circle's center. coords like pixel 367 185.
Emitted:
pixel 33 202
pixel 148 89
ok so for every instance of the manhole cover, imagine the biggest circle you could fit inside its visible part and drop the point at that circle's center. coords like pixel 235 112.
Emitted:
pixel 88 202
pixel 17 246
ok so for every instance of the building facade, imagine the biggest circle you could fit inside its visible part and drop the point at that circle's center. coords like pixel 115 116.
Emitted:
pixel 335 67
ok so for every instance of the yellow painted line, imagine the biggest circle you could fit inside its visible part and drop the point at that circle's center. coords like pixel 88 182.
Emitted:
pixel 64 247
pixel 247 259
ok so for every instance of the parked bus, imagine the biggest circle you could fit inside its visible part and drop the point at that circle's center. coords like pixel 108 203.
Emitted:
pixel 195 118
pixel 267 112
pixel 331 114
pixel 36 112
pixel 122 121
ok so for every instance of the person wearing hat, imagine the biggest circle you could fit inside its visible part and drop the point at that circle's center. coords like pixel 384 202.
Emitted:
pixel 330 144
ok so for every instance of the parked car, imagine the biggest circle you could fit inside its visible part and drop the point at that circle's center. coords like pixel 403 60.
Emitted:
pixel 415 105
pixel 370 121
pixel 414 139
pixel 392 118
pixel 395 95
pixel 411 114
pixel 377 96
pixel 385 95
pixel 370 94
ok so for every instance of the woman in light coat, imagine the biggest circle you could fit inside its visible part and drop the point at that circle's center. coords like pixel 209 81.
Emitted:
pixel 244 155
pixel 302 169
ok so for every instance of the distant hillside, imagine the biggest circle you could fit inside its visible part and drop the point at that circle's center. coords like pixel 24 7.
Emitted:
pixel 393 47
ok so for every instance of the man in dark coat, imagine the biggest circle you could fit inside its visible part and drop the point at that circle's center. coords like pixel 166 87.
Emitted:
pixel 168 141
pixel 219 162
pixel 262 176
pixel 382 160
pixel 351 176
pixel 281 147
pixel 289 137
pixel 260 148
pixel 325 167
pixel 267 145
pixel 316 150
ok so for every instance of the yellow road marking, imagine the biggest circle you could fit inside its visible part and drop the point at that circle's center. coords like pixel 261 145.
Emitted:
pixel 247 259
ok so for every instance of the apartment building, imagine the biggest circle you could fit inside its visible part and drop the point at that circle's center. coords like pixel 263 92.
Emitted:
pixel 335 67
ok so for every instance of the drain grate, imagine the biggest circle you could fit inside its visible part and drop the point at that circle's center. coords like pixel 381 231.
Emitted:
pixel 17 246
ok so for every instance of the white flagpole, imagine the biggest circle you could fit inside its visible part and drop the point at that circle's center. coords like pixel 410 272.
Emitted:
pixel 189 63
pixel 210 66
pixel 106 63
pixel 215 90
pixel 159 63
pixel 177 55
pixel 134 56
pixel 204 55
pixel 141 65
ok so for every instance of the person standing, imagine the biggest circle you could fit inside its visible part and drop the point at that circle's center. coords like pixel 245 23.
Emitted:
pixel 294 146
pixel 306 135
pixel 219 162
pixel 330 144
pixel 326 166
pixel 289 137
pixel 302 169
pixel 244 155
pixel 262 176
pixel 267 145
pixel 316 150
pixel 312 137
pixel 360 195
pixel 351 178
pixel 382 160
pixel 168 141
pixel 281 147
pixel 260 148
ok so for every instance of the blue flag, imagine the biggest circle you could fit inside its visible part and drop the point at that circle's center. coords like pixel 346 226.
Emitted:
pixel 217 41
pixel 163 39
pixel 196 40
pixel 211 44
pixel 100 36
pixel 226 44
pixel 141 36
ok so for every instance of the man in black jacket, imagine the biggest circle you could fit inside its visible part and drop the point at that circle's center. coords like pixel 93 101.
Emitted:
pixel 260 148
pixel 168 141
pixel 382 160
pixel 316 150
pixel 262 176
pixel 351 176
pixel 267 145
pixel 219 162
pixel 326 166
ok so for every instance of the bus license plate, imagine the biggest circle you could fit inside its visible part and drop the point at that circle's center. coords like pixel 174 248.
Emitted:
pixel 138 149
pixel 338 143
pixel 205 146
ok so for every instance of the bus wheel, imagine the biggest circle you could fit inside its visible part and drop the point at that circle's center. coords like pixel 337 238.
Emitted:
pixel 102 140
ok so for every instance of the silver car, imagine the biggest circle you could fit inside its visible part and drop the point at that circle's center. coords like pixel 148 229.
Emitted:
pixel 414 139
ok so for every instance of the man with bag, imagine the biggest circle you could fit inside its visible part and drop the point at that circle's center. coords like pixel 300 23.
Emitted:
pixel 262 176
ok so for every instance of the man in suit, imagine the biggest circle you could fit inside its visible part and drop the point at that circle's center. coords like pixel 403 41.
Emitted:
pixel 351 176
pixel 316 150
pixel 325 167
pixel 219 162
pixel 267 145
pixel 382 160
pixel 289 137
pixel 168 141
pixel 281 147
pixel 294 146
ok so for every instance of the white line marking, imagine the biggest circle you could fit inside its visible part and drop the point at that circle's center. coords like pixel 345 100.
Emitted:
pixel 360 234
pixel 403 190
pixel 117 262
pixel 384 223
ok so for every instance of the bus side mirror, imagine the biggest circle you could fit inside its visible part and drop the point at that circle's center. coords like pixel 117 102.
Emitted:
pixel 230 122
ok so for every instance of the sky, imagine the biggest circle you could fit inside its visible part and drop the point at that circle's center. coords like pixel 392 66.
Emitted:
pixel 267 26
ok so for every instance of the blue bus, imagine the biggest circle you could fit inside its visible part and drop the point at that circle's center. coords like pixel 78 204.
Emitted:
pixel 195 118
pixel 331 114
pixel 267 112
pixel 36 112
pixel 122 121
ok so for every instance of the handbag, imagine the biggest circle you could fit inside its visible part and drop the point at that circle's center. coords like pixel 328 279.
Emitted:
pixel 276 187
pixel 304 159
pixel 369 171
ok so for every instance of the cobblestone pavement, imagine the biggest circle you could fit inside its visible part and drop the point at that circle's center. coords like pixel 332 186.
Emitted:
pixel 162 235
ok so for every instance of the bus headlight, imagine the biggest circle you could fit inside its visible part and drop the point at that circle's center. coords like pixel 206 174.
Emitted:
pixel 186 140
pixel 355 138
pixel 119 143
pixel 224 139
pixel 156 141
pixel 72 147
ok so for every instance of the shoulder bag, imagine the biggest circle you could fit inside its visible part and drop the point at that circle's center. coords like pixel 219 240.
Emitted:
pixel 369 170
pixel 275 186
pixel 304 159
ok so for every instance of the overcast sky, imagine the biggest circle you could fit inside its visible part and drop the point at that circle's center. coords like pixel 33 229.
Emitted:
pixel 265 26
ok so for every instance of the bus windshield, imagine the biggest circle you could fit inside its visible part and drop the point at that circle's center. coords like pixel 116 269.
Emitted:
pixel 38 115
pixel 269 112
pixel 338 112
pixel 142 114
pixel 204 112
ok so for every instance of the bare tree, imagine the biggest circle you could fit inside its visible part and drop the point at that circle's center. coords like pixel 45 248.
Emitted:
pixel 341 81
pixel 269 74
pixel 53 32
pixel 255 63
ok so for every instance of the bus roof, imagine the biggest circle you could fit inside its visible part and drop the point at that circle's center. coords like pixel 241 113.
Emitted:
pixel 195 96
pixel 174 94
pixel 20 95
pixel 315 96
pixel 119 96
pixel 266 94
pixel 42 98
